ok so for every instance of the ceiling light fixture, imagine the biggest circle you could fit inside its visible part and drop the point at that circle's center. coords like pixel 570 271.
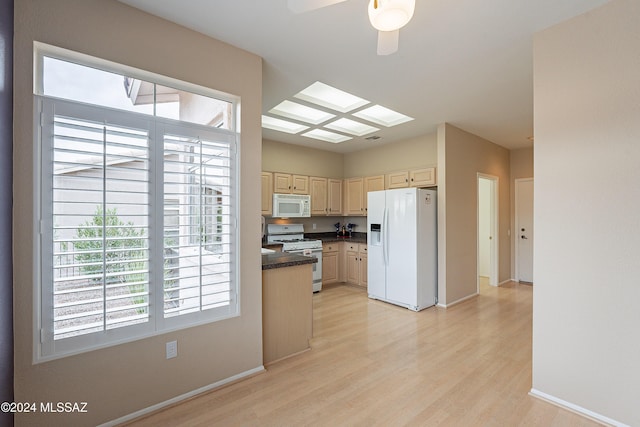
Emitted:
pixel 351 126
pixel 382 116
pixel 327 136
pixel 390 15
pixel 295 111
pixel 386 16
pixel 282 125
pixel 330 97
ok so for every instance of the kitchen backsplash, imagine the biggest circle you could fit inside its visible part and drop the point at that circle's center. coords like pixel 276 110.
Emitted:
pixel 323 224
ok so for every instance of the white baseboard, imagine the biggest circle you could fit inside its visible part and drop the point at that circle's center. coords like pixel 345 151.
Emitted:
pixel 458 301
pixel 182 397
pixel 504 282
pixel 575 408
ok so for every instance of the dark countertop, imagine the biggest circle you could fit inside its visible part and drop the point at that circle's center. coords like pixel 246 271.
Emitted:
pixel 332 237
pixel 285 259
pixel 274 246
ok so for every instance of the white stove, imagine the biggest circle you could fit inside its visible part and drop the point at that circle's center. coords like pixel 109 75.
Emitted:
pixel 291 236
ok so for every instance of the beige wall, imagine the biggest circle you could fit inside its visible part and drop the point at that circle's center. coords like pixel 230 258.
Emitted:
pixel 123 379
pixel 587 204
pixel 295 159
pixel 464 155
pixel 521 163
pixel 521 167
pixel 407 154
pixel 402 155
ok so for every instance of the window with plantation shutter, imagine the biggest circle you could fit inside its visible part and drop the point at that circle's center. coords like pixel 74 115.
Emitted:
pixel 197 170
pixel 100 223
pixel 136 218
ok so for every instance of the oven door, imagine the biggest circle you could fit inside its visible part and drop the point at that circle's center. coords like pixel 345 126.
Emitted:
pixel 316 266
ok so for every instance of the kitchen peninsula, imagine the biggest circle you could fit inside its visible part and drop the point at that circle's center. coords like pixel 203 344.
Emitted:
pixel 286 305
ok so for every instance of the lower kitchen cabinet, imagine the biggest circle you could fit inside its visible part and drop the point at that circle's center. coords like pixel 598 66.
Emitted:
pixel 331 256
pixel 356 268
pixel 363 267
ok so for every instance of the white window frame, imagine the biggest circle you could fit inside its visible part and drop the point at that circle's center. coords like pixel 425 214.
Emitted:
pixel 45 348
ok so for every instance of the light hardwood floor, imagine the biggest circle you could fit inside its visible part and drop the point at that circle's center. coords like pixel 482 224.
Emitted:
pixel 373 363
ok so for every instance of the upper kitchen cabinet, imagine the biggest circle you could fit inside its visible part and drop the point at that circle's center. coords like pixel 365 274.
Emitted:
pixel 425 177
pixel 334 196
pixel 318 187
pixel 354 188
pixel 287 183
pixel 326 196
pixel 398 179
pixel 371 183
pixel 422 177
pixel 356 193
pixel 267 193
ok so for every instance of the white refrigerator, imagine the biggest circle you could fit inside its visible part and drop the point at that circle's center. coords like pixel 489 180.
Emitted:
pixel 402 247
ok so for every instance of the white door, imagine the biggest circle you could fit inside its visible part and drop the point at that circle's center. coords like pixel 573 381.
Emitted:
pixel 488 228
pixel 524 230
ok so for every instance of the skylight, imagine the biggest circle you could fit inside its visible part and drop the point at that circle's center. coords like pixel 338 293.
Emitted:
pixel 282 125
pixel 382 116
pixel 301 112
pixel 336 110
pixel 325 135
pixel 351 127
pixel 327 96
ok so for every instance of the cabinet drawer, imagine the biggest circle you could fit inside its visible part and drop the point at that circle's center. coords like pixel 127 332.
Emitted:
pixel 330 247
pixel 362 248
pixel 352 247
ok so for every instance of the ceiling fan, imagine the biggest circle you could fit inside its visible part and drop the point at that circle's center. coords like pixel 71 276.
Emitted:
pixel 386 16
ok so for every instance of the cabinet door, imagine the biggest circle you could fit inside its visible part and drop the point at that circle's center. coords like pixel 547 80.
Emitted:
pixel 267 193
pixel 281 183
pixel 353 267
pixel 371 183
pixel 329 267
pixel 318 187
pixel 363 270
pixel 354 189
pixel 300 184
pixel 334 196
pixel 422 177
pixel 362 251
pixel 398 180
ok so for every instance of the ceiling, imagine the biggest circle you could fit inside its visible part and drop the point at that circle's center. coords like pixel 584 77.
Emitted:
pixel 465 62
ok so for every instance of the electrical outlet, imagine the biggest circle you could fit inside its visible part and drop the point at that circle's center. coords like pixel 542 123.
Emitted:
pixel 172 349
pixel 314 226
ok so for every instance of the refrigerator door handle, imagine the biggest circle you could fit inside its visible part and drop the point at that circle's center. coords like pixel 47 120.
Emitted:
pixel 385 239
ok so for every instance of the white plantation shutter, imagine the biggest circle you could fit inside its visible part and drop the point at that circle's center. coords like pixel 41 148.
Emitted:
pixel 199 178
pixel 137 226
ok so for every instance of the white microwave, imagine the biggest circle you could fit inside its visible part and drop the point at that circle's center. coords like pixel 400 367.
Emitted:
pixel 291 205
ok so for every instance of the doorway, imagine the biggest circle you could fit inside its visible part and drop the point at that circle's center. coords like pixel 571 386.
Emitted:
pixel 487 238
pixel 524 230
